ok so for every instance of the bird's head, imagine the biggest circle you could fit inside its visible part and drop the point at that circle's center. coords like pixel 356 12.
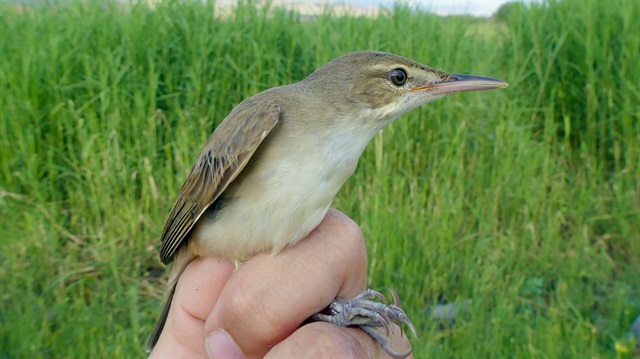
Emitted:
pixel 389 85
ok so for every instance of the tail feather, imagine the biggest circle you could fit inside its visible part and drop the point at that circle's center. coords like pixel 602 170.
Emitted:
pixel 157 330
pixel 182 258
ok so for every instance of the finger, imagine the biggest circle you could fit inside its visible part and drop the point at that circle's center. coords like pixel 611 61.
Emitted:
pixel 324 340
pixel 196 293
pixel 270 296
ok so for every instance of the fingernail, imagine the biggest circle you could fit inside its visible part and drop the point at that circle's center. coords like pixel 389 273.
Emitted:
pixel 219 344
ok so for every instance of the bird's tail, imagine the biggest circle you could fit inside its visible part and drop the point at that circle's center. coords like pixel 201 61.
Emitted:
pixel 155 334
pixel 182 258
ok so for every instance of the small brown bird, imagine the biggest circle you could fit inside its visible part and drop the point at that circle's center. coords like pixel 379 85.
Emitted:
pixel 269 172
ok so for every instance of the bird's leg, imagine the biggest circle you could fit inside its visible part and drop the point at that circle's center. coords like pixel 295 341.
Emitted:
pixel 370 316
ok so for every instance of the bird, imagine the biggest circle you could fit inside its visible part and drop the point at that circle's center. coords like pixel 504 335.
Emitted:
pixel 268 173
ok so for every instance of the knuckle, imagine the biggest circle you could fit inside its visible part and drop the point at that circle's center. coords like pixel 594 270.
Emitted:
pixel 330 342
pixel 251 319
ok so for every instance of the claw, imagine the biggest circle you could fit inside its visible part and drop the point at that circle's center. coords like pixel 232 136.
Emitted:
pixel 368 315
pixel 396 299
pixel 387 323
pixel 380 296
pixel 385 343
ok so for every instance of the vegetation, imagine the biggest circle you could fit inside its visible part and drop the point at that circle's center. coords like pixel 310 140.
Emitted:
pixel 523 203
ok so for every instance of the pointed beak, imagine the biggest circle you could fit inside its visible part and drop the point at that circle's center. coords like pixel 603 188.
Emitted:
pixel 459 83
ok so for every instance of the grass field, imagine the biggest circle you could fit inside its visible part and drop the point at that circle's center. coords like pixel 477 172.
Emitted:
pixel 524 203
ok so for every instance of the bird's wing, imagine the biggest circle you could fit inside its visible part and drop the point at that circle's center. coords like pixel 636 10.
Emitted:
pixel 224 156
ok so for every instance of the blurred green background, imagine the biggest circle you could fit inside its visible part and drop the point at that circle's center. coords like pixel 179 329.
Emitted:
pixel 523 203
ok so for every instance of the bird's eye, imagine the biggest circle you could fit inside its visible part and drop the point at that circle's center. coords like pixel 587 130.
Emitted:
pixel 397 76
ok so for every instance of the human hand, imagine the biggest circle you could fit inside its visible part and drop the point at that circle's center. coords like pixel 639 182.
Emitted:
pixel 257 310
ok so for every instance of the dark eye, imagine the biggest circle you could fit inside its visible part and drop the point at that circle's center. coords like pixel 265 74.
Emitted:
pixel 397 76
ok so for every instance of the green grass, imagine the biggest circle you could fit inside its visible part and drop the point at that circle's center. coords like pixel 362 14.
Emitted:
pixel 525 201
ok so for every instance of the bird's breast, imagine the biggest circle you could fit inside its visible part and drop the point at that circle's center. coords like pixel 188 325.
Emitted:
pixel 281 196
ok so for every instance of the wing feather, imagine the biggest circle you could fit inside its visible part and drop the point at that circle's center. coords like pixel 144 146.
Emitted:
pixel 224 156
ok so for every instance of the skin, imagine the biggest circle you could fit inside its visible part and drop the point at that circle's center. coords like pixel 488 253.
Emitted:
pixel 210 296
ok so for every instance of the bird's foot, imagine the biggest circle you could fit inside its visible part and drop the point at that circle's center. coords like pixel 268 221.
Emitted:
pixel 369 316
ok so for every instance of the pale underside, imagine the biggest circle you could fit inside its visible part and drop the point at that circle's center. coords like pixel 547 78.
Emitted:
pixel 280 197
